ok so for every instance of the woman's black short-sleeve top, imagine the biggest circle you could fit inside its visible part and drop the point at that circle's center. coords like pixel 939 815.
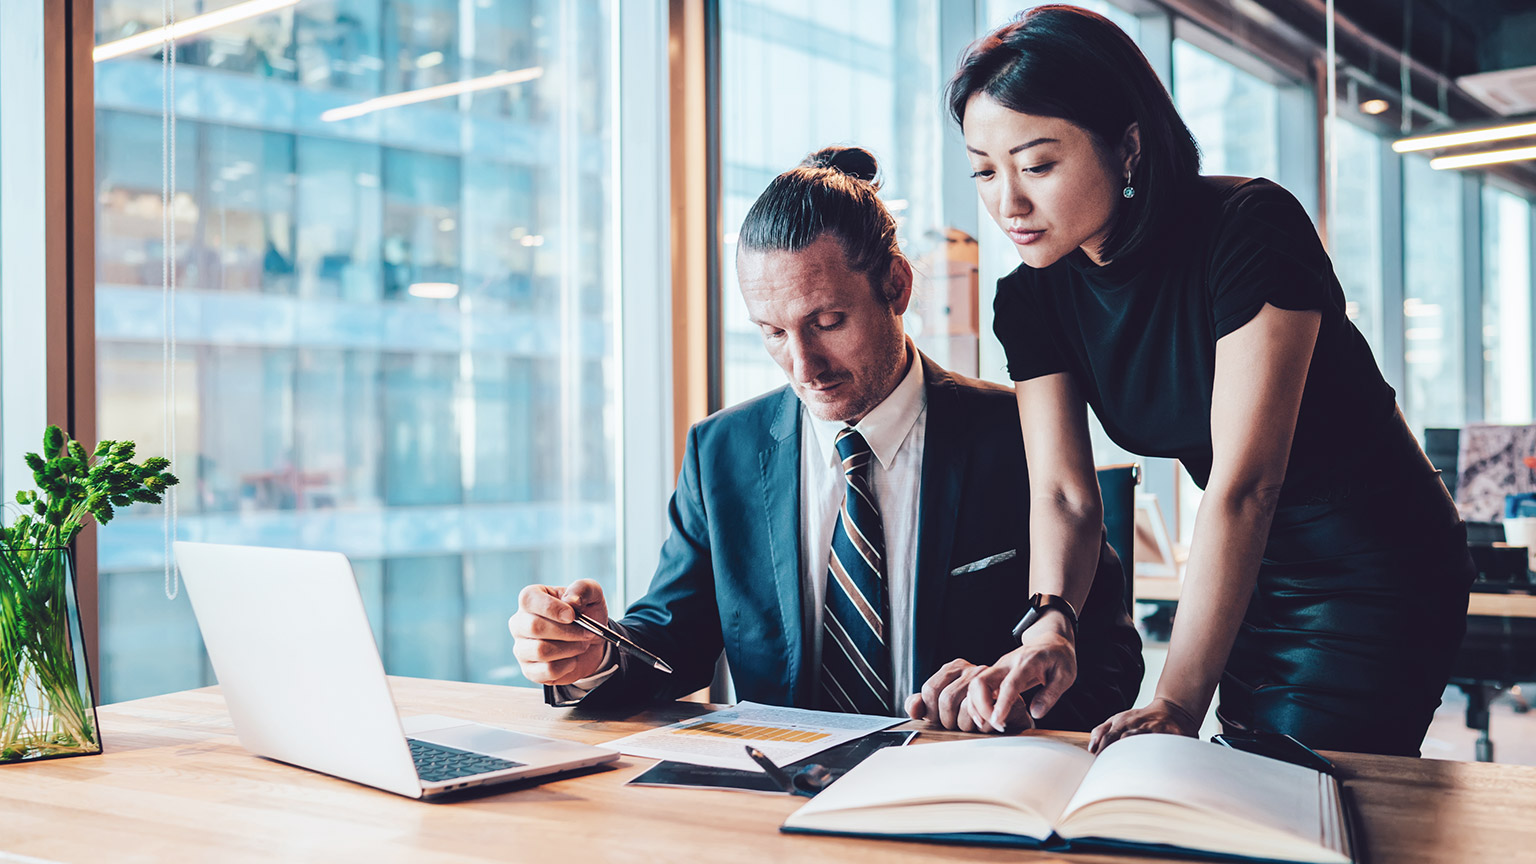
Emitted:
pixel 1138 335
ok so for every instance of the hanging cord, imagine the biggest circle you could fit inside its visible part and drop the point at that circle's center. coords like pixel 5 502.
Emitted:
pixel 1445 71
pixel 1403 80
pixel 168 277
pixel 1330 131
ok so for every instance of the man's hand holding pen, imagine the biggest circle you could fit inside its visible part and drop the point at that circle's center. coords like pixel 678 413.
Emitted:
pixel 562 635
pixel 549 645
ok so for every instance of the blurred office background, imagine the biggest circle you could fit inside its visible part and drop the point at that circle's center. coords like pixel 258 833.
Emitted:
pixel 434 333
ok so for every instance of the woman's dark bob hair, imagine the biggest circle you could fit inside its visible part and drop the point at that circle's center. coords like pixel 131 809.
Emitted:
pixel 1072 64
pixel 832 190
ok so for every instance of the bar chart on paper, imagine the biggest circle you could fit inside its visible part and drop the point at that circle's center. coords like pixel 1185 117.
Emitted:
pixel 785 735
pixel 751 733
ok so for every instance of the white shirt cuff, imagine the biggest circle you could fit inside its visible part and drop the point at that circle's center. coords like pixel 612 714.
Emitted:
pixel 576 690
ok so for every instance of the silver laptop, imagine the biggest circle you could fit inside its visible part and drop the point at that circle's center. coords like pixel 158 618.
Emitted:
pixel 294 655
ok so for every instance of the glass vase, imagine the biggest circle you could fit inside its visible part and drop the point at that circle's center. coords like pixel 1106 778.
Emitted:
pixel 46 707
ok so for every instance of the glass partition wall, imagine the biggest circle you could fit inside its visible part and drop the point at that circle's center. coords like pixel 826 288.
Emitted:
pixel 1507 302
pixel 1434 393
pixel 394 311
pixel 1355 230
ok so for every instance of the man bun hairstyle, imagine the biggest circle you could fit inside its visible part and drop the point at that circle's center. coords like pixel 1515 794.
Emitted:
pixel 832 190
pixel 1075 65
pixel 856 162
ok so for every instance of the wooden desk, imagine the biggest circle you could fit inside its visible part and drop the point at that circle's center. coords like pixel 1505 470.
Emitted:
pixel 174 785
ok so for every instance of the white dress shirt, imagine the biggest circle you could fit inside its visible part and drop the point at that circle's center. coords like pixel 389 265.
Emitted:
pixel 895 430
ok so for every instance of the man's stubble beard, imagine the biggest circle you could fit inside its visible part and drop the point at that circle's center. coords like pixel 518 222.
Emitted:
pixel 891 361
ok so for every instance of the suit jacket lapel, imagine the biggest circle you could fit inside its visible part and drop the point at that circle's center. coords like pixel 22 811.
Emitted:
pixel 945 456
pixel 780 462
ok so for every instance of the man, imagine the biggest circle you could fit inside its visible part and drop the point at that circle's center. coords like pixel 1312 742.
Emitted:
pixel 854 535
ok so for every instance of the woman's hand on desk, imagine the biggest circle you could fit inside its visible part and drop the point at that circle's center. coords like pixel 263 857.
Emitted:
pixel 1035 675
pixel 942 700
pixel 548 646
pixel 1161 715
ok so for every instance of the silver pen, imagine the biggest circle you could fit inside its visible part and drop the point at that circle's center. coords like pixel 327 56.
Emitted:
pixel 623 643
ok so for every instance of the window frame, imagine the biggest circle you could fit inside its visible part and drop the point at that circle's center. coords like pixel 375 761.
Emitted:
pixel 50 43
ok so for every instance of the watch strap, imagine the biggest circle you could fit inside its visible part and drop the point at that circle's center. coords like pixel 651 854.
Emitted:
pixel 1039 604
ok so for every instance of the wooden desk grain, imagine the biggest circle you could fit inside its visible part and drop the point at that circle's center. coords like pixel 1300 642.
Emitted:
pixel 174 785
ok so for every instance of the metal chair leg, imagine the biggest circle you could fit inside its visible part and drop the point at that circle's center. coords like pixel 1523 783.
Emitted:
pixel 1484 747
pixel 1478 697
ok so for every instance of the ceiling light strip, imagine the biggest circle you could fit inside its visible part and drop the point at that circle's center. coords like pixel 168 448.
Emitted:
pixel 1471 136
pixel 187 27
pixel 1491 157
pixel 427 94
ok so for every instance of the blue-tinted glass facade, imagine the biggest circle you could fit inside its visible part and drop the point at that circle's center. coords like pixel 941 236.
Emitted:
pixel 394 333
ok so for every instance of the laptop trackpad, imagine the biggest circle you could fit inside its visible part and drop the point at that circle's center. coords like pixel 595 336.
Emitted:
pixel 477 737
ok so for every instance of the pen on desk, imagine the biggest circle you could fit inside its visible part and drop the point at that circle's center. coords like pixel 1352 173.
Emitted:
pixel 623 643
pixel 774 772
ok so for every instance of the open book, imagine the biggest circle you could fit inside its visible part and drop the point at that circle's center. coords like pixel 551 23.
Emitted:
pixel 1157 793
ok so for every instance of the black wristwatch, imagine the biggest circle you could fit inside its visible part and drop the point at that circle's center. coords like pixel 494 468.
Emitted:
pixel 1039 604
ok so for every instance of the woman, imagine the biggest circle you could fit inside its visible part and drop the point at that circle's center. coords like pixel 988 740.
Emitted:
pixel 1200 318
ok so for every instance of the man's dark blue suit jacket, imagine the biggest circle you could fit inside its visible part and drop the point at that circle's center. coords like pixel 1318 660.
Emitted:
pixel 729 576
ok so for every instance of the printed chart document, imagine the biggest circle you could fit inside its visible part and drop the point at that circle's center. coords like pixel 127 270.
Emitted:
pixel 1159 794
pixel 784 735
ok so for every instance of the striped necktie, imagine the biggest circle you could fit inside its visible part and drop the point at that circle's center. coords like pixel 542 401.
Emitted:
pixel 855 658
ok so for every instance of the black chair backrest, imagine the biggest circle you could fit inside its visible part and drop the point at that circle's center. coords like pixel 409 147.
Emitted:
pixel 1442 446
pixel 1117 487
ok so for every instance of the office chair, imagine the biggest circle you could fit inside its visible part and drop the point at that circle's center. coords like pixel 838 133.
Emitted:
pixel 1117 488
pixel 1497 652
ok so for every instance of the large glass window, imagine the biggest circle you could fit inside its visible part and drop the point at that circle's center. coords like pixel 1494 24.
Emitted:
pixel 1355 229
pixel 394 330
pixel 1435 390
pixel 1235 116
pixel 1507 291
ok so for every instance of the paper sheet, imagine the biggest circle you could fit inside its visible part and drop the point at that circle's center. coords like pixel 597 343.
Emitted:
pixel 784 735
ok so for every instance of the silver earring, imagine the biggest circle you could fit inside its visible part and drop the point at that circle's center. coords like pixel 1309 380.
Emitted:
pixel 1129 191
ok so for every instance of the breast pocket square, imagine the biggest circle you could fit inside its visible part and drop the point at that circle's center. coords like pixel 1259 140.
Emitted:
pixel 983 563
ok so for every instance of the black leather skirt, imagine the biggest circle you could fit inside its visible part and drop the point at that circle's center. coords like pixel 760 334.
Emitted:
pixel 1355 621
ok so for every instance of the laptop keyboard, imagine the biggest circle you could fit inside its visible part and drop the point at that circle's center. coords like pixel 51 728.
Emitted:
pixel 436 762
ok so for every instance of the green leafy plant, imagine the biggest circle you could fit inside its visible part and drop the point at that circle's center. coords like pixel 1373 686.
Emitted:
pixel 43 704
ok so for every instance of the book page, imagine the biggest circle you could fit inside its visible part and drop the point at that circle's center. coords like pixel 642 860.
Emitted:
pixel 1032 774
pixel 1265 793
